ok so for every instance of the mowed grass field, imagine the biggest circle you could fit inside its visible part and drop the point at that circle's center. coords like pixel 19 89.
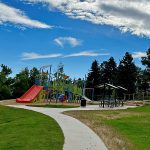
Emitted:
pixel 120 129
pixel 27 130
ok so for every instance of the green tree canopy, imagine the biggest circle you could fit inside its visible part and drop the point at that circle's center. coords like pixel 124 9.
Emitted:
pixel 146 62
pixel 34 73
pixel 5 82
pixel 142 80
pixel 93 78
pixel 127 73
pixel 5 70
pixel 22 83
pixel 108 71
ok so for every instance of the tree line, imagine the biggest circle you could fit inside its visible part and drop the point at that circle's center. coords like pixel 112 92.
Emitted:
pixel 125 74
pixel 13 87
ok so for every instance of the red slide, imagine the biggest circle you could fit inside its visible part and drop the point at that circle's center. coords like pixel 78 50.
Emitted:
pixel 30 95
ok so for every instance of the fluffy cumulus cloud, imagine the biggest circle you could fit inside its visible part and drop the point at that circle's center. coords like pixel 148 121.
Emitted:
pixel 61 41
pixel 32 55
pixel 16 16
pixel 128 16
pixel 139 54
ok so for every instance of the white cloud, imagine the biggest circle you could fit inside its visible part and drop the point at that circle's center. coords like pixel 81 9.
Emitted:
pixel 86 54
pixel 61 41
pixel 16 16
pixel 138 54
pixel 32 55
pixel 127 15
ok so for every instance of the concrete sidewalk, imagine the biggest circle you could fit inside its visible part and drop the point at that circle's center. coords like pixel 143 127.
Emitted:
pixel 77 135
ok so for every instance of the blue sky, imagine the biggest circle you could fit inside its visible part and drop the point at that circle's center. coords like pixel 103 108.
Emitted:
pixel 35 33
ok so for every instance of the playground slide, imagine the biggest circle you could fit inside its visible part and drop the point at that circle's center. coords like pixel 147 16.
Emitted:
pixel 87 99
pixel 30 95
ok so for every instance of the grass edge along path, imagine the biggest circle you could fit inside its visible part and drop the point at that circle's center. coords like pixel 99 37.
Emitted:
pixel 119 129
pixel 54 105
pixel 25 129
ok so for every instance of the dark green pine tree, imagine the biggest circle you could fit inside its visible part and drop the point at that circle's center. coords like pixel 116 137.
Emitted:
pixel 142 80
pixel 127 73
pixel 93 78
pixel 108 71
pixel 146 62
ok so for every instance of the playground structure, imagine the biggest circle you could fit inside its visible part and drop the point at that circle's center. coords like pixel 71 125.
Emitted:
pixel 55 87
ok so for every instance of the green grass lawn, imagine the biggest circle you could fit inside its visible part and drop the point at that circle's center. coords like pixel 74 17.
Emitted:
pixel 54 106
pixel 120 129
pixel 27 130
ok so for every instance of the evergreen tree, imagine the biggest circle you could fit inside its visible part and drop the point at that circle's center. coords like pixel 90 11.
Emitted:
pixel 127 73
pixel 142 80
pixel 93 78
pixel 146 62
pixel 108 71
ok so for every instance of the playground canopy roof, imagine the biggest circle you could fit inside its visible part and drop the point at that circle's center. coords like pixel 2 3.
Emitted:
pixel 112 86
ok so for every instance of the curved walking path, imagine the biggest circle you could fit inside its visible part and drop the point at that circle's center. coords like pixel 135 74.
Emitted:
pixel 77 135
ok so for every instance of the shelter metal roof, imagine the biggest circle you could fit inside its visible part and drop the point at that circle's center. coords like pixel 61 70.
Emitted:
pixel 107 84
pixel 110 85
pixel 120 87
